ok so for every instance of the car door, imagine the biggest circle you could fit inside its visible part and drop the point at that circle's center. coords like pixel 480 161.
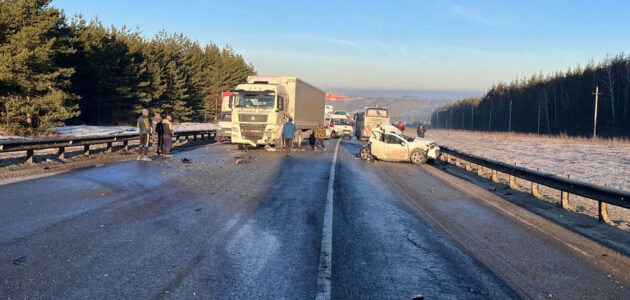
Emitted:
pixel 396 149
pixel 377 144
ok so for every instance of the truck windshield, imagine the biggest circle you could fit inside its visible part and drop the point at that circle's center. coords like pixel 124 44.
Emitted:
pixel 254 100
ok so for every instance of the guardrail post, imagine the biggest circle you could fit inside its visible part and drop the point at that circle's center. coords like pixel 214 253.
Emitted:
pixel 30 153
pixel 109 147
pixel 513 184
pixel 194 137
pixel 86 150
pixel 535 190
pixel 125 145
pixel 564 196
pixel 458 162
pixel 468 166
pixel 603 212
pixel 61 154
pixel 480 168
pixel 495 174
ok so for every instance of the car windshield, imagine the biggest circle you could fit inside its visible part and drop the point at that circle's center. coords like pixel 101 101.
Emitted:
pixel 340 122
pixel 377 112
pixel 254 100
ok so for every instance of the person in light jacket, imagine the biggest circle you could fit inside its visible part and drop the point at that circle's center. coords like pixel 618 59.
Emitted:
pixel 144 128
pixel 167 137
pixel 320 134
pixel 288 133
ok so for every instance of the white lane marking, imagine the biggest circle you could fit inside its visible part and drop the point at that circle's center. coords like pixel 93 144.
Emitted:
pixel 324 275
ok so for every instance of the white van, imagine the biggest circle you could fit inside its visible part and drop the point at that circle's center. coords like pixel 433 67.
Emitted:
pixel 338 126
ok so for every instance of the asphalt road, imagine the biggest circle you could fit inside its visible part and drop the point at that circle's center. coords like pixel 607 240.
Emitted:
pixel 215 229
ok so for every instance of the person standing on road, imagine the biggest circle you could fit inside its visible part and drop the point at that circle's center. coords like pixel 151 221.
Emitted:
pixel 167 142
pixel 421 131
pixel 320 134
pixel 157 134
pixel 401 127
pixel 144 127
pixel 288 133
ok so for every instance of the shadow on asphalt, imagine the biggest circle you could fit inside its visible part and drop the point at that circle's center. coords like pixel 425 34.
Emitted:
pixel 610 236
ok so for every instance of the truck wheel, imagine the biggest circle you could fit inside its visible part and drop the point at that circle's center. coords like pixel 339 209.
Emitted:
pixel 241 147
pixel 299 140
pixel 334 135
pixel 365 153
pixel 418 157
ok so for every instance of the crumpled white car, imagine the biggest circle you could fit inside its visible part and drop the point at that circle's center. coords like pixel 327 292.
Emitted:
pixel 387 143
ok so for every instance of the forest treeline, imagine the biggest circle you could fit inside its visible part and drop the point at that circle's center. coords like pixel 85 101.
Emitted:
pixel 558 103
pixel 55 71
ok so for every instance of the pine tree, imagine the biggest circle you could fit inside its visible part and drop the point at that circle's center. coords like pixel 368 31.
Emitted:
pixel 34 36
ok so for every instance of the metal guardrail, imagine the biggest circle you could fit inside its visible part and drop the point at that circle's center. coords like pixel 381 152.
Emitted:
pixel 602 194
pixel 61 143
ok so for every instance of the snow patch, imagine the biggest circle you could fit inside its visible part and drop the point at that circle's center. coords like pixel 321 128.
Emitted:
pixel 195 126
pixel 88 130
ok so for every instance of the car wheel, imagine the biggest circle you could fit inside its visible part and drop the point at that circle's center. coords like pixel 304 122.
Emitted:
pixel 365 153
pixel 333 135
pixel 418 157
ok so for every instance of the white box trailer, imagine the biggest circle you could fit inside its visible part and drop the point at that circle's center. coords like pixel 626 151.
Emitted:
pixel 263 104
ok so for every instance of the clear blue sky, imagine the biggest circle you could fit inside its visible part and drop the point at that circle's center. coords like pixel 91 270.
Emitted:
pixel 410 45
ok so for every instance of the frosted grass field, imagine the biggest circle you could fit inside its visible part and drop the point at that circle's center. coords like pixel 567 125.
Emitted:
pixel 597 161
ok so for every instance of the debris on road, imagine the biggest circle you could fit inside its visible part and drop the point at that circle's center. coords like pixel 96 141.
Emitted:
pixel 19 260
pixel 473 289
pixel 197 209
pixel 411 174
pixel 186 160
pixel 239 160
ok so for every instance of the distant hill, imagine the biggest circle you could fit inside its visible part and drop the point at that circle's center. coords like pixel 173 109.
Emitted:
pixel 401 109
pixel 405 94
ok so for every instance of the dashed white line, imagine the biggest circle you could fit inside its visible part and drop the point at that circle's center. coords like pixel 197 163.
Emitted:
pixel 324 275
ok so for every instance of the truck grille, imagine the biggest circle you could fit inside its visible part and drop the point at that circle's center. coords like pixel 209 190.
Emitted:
pixel 252 118
pixel 252 132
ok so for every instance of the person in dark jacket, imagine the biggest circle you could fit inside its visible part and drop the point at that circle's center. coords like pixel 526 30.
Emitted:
pixel 421 131
pixel 157 132
pixel 288 133
pixel 144 128
pixel 167 137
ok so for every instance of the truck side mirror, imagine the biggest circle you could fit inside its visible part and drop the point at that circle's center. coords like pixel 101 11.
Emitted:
pixel 280 105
